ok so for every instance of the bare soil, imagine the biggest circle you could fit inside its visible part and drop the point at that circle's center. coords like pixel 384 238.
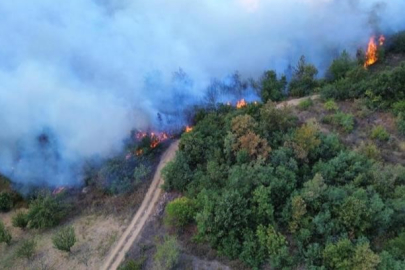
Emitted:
pixel 126 240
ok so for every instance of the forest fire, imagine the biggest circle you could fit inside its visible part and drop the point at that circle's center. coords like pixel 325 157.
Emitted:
pixel 189 129
pixel 58 190
pixel 155 137
pixel 241 103
pixel 372 50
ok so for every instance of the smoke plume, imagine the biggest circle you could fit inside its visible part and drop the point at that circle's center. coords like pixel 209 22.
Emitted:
pixel 76 76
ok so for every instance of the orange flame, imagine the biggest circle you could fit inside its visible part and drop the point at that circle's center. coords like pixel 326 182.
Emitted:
pixel 58 190
pixel 381 40
pixel 189 129
pixel 371 54
pixel 156 138
pixel 241 103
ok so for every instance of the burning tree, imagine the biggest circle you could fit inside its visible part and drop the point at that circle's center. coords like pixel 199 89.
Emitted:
pixel 372 50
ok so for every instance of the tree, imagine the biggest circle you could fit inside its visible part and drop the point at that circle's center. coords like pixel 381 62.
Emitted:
pixel 275 119
pixel 272 88
pixel 167 253
pixel 364 258
pixel 5 235
pixel 338 255
pixel 65 239
pixel 20 220
pixel 253 144
pixel 276 246
pixel 45 212
pixel 6 201
pixel 177 173
pixel 243 124
pixel 180 212
pixel 341 65
pixel 303 81
pixel 299 209
pixel 306 140
pixel 27 249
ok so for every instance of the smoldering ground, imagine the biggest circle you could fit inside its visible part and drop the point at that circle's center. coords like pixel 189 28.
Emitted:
pixel 83 73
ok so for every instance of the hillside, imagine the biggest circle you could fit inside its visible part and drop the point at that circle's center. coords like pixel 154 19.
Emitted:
pixel 318 185
pixel 308 175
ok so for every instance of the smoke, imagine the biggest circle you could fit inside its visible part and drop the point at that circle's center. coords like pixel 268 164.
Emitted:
pixel 76 76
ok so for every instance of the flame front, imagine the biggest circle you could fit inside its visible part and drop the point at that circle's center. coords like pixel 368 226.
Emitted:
pixel 189 129
pixel 371 54
pixel 241 103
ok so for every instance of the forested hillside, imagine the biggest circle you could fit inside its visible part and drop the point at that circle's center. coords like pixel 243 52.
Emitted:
pixel 320 186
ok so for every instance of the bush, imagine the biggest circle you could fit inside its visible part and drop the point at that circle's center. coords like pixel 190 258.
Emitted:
pixel 400 121
pixel 330 105
pixel 305 104
pixel 369 150
pixel 20 220
pixel 398 43
pixel 6 201
pixel 167 254
pixel 398 107
pixel 64 239
pixel 132 265
pixel 179 212
pixel 380 133
pixel 45 212
pixel 342 120
pixel 27 249
pixel 5 235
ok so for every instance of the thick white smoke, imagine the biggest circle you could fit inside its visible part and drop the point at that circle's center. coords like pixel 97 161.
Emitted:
pixel 76 76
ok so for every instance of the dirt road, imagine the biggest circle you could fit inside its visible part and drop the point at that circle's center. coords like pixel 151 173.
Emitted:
pixel 117 255
pixel 295 102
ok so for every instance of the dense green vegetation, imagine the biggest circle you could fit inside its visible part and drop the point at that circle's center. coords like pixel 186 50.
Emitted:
pixel 268 189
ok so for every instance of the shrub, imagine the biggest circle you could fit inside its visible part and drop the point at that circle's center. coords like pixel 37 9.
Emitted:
pixel 398 107
pixel 132 265
pixel 369 150
pixel 6 201
pixel 330 105
pixel 380 133
pixel 306 137
pixel 167 253
pixel 64 239
pixel 342 120
pixel 398 43
pixel 305 104
pixel 27 249
pixel 5 235
pixel 179 212
pixel 400 121
pixel 45 212
pixel 20 220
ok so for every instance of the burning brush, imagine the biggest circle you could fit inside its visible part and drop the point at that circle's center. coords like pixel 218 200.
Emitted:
pixel 372 50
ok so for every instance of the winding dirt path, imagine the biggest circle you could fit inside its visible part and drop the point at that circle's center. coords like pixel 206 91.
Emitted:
pixel 295 102
pixel 117 255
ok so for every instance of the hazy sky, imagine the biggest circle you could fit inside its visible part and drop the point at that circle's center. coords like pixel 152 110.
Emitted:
pixel 88 71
